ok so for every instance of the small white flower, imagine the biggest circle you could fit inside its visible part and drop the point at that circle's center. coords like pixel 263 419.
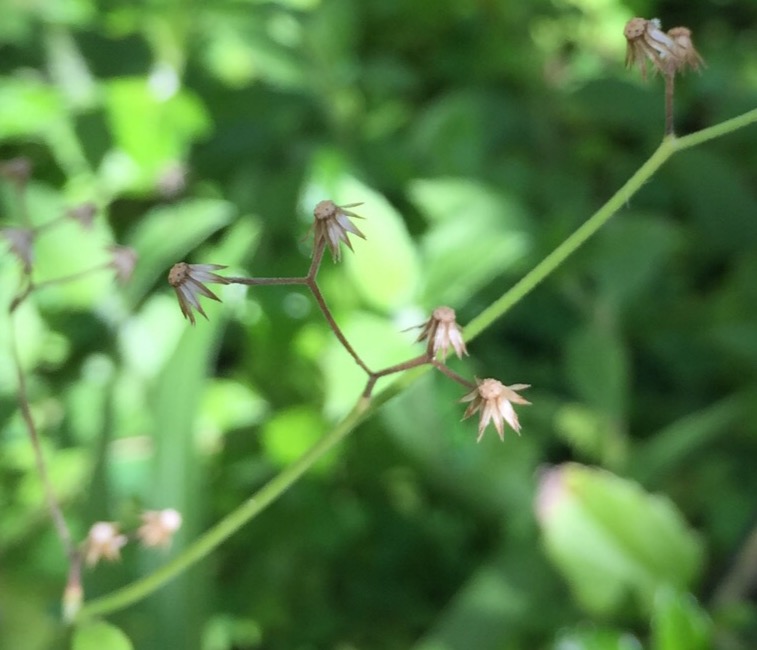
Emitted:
pixel 103 541
pixel 495 401
pixel 443 333
pixel 187 281
pixel 333 225
pixel 158 527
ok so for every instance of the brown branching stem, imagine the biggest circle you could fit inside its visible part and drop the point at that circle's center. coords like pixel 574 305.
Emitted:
pixel 669 92
pixel 56 513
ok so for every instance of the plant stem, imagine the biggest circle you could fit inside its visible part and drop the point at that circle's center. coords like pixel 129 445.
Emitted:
pixel 56 513
pixel 670 80
pixel 229 524
pixel 552 261
pixel 203 546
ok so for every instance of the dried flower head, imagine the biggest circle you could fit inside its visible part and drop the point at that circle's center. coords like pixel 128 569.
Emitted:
pixel 21 242
pixel 122 260
pixel 646 41
pixel 83 214
pixel 669 52
pixel 686 54
pixel 187 281
pixel 158 527
pixel 103 541
pixel 443 333
pixel 332 225
pixel 495 401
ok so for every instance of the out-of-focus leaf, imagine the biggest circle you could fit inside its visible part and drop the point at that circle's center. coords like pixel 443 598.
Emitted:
pixel 591 433
pixel 589 637
pixel 629 253
pixel 290 433
pixel 678 621
pixel 718 199
pixel 611 540
pixel 378 342
pixel 99 635
pixel 27 107
pixel 154 123
pixel 676 442
pixel 597 367
pixel 475 234
pixel 385 267
pixel 167 233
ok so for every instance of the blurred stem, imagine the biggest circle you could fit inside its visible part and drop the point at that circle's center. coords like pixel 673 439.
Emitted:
pixel 670 80
pixel 213 538
pixel 203 546
pixel 551 262
pixel 56 513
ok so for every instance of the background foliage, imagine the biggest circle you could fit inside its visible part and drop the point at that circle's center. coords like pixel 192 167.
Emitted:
pixel 478 134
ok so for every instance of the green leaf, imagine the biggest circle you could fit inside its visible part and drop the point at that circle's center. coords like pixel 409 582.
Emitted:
pixel 169 232
pixel 629 254
pixel 678 621
pixel 27 107
pixel 597 367
pixel 589 637
pixel 99 635
pixel 152 131
pixel 290 433
pixel 612 540
pixel 385 267
pixel 475 234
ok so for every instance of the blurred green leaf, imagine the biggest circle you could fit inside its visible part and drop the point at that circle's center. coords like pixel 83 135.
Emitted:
pixel 27 107
pixel 168 233
pixel 678 622
pixel 588 637
pixel 475 234
pixel 597 367
pixel 100 635
pixel 154 123
pixel 291 432
pixel 611 540
pixel 388 248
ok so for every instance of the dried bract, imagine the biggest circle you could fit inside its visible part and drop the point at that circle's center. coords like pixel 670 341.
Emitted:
pixel 187 281
pixel 686 54
pixel 333 225
pixel 158 527
pixel 495 402
pixel 443 333
pixel 103 541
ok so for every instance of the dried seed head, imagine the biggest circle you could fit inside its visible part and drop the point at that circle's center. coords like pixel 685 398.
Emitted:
pixel 645 41
pixel 332 226
pixel 442 332
pixel 669 52
pixel 103 541
pixel 158 527
pixel 187 281
pixel 495 402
